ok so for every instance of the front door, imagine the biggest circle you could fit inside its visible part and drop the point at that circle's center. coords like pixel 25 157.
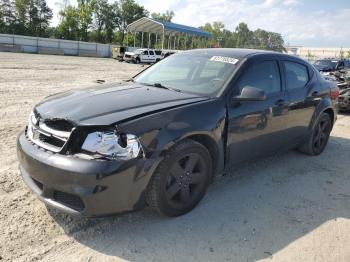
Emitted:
pixel 144 56
pixel 257 128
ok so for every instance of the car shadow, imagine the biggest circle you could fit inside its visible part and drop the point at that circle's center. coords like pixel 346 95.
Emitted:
pixel 252 214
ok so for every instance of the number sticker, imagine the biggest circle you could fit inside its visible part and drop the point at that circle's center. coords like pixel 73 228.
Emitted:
pixel 224 59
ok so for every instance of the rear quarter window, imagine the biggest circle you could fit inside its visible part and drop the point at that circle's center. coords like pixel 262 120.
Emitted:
pixel 297 75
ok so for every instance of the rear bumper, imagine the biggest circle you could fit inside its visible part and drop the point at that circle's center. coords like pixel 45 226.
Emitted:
pixel 83 187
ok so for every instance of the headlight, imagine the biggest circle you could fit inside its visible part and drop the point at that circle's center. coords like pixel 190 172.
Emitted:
pixel 112 146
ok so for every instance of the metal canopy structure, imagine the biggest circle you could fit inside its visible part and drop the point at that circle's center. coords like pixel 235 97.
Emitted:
pixel 153 26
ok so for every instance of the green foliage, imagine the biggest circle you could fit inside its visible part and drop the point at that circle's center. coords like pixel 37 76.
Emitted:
pixel 166 17
pixel 69 27
pixel 128 11
pixel 243 37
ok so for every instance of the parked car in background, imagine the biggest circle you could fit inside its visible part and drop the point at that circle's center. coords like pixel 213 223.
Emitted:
pixel 161 137
pixel 331 65
pixel 343 78
pixel 344 100
pixel 143 56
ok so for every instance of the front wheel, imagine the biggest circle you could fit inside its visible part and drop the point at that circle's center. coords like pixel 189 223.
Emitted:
pixel 319 137
pixel 181 179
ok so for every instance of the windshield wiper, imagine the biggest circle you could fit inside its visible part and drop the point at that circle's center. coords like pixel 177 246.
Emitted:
pixel 159 85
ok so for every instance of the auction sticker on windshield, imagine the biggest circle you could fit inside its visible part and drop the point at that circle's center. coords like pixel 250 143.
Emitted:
pixel 224 59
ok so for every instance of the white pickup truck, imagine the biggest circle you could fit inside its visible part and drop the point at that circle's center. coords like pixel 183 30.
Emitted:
pixel 143 56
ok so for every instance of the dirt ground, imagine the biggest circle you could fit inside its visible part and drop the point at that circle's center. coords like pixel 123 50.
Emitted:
pixel 289 207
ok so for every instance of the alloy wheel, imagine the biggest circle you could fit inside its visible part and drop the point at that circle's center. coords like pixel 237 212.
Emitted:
pixel 186 178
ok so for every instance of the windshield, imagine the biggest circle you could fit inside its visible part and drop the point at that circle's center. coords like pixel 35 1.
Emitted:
pixel 194 73
pixel 328 63
pixel 138 51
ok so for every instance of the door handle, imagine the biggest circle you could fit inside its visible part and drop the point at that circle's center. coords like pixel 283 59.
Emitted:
pixel 280 102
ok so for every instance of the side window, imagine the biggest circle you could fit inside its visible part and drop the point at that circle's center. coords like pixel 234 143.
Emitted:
pixel 341 65
pixel 264 75
pixel 296 75
pixel 151 53
pixel 145 52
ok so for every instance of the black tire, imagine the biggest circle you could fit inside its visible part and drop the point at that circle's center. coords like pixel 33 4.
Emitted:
pixel 319 136
pixel 181 179
pixel 137 61
pixel 157 60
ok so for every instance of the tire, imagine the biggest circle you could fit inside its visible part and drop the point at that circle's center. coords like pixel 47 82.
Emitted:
pixel 181 179
pixel 319 136
pixel 137 61
pixel 157 60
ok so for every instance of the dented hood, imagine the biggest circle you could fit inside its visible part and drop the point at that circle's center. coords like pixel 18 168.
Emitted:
pixel 109 104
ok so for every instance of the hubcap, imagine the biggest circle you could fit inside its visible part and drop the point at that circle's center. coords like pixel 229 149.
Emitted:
pixel 186 179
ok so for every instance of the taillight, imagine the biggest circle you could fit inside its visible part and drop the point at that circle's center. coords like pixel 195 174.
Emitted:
pixel 334 94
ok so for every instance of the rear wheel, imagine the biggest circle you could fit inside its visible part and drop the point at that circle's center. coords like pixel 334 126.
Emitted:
pixel 181 179
pixel 319 137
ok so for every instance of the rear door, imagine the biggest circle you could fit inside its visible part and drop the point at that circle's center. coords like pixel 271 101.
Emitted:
pixel 302 97
pixel 257 128
pixel 152 57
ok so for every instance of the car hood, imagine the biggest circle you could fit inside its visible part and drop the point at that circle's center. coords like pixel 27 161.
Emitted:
pixel 109 104
pixel 129 53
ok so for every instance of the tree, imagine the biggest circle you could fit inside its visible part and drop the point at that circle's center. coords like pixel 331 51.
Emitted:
pixel 69 27
pixel 33 17
pixel 166 17
pixel 7 16
pixel 105 20
pixel 85 11
pixel 44 16
pixel 244 37
pixel 128 11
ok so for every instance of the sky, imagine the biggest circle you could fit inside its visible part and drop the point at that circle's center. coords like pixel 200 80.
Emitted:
pixel 311 23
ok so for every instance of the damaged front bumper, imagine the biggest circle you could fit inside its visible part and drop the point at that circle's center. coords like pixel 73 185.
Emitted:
pixel 84 187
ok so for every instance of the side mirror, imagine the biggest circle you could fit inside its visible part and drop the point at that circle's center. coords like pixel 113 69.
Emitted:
pixel 250 93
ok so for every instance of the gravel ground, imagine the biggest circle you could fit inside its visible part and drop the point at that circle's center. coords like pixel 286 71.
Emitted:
pixel 289 207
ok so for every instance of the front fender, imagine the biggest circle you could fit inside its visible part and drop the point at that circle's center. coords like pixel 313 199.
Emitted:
pixel 160 131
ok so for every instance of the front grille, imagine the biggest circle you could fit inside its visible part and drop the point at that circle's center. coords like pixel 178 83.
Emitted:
pixel 49 134
pixel 51 140
pixel 59 124
pixel 69 200
pixel 127 56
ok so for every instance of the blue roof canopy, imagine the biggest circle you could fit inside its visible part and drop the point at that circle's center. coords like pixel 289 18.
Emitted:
pixel 150 25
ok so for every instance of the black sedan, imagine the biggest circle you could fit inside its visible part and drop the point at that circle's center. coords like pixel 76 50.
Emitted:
pixel 159 138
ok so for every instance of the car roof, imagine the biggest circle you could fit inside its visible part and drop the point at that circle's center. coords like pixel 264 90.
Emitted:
pixel 235 52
